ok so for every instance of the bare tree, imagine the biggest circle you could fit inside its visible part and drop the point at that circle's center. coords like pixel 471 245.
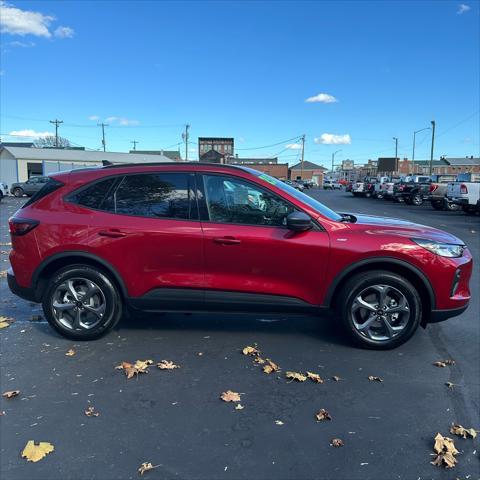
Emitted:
pixel 49 141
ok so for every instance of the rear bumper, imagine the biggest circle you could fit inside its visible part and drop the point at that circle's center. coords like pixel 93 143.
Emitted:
pixel 441 315
pixel 458 200
pixel 22 292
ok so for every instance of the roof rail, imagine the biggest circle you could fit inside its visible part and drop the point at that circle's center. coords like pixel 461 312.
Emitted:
pixel 155 164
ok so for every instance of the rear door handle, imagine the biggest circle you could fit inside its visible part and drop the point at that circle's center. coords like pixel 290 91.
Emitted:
pixel 227 240
pixel 112 233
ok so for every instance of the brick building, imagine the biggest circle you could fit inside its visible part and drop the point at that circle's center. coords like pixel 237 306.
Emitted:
pixel 215 149
pixel 310 171
pixel 270 166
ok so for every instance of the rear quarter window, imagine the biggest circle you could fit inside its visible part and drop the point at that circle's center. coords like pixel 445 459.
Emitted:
pixel 93 195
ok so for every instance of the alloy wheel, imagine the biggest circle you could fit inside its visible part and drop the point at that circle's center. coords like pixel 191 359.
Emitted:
pixel 380 312
pixel 78 304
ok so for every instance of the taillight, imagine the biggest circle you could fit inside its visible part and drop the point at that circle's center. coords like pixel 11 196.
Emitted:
pixel 433 187
pixel 21 226
pixel 463 188
pixel 400 188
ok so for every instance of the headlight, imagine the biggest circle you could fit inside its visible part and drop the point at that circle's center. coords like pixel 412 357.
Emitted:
pixel 443 249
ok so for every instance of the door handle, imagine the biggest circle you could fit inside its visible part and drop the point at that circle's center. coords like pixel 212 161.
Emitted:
pixel 112 233
pixel 227 240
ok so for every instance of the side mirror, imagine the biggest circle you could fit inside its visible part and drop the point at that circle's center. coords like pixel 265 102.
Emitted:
pixel 299 222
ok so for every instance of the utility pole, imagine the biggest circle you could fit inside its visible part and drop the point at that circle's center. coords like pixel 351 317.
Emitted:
pixel 396 147
pixel 185 137
pixel 56 123
pixel 103 125
pixel 413 152
pixel 333 159
pixel 433 140
pixel 303 154
pixel 134 144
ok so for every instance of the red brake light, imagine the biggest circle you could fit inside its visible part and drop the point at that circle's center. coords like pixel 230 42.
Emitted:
pixel 433 187
pixel 21 226
pixel 463 188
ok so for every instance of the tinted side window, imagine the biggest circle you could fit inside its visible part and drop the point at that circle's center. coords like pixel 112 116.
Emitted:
pixel 159 195
pixel 93 195
pixel 232 200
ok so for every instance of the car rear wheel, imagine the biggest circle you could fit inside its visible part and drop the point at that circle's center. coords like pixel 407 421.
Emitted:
pixel 17 192
pixel 469 209
pixel 81 302
pixel 452 207
pixel 437 204
pixel 379 309
pixel 417 199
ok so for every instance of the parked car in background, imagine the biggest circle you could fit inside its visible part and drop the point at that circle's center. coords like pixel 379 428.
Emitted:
pixel 465 191
pixel 331 185
pixel 437 193
pixel 387 187
pixel 379 187
pixel 306 183
pixel 295 184
pixel 3 190
pixel 364 187
pixel 194 234
pixel 348 186
pixel 29 188
pixel 413 190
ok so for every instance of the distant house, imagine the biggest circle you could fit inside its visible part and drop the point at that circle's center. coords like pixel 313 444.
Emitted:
pixel 17 144
pixel 222 148
pixel 460 165
pixel 309 171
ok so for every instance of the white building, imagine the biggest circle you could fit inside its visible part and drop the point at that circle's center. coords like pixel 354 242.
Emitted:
pixel 18 164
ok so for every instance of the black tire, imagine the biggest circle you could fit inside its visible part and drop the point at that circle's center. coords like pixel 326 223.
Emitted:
pixel 407 200
pixel 112 300
pixel 17 192
pixel 355 194
pixel 437 204
pixel 360 283
pixel 417 199
pixel 451 207
pixel 469 209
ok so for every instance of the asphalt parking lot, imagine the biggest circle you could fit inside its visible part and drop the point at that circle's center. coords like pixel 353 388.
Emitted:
pixel 176 420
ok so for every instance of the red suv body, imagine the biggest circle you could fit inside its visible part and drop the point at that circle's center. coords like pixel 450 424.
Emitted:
pixel 193 237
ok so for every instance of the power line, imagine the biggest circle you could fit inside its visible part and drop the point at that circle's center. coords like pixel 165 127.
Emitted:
pixel 298 137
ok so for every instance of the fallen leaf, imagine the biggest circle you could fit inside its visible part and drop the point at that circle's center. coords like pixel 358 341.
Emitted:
pixel 70 353
pixel 3 274
pixel 252 351
pixel 230 396
pixel 259 360
pixel 440 364
pixel 167 365
pixel 140 366
pixel 296 376
pixel 462 432
pixel 314 377
pixel 450 385
pixel 449 362
pixel 200 354
pixel 90 412
pixel 4 324
pixel 336 379
pixel 145 467
pixel 11 394
pixel 270 367
pixel 239 407
pixel 445 450
pixel 375 379
pixel 34 453
pixel 336 442
pixel 444 363
pixel 278 422
pixel 2 413
pixel 323 415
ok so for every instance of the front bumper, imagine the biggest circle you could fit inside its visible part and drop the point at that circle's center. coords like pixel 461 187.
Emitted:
pixel 441 315
pixel 16 289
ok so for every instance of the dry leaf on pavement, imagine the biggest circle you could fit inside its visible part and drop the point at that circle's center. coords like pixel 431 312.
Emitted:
pixel 90 412
pixel 375 379
pixel 145 467
pixel 270 367
pixel 140 366
pixel 450 385
pixel 239 407
pixel 444 363
pixel 336 379
pixel 11 393
pixel 299 377
pixel 445 450
pixel 259 360
pixel 322 415
pixel 230 396
pixel 5 321
pixel 167 365
pixel 70 353
pixel 252 351
pixel 314 377
pixel 278 422
pixel 462 431
pixel 336 442
pixel 34 453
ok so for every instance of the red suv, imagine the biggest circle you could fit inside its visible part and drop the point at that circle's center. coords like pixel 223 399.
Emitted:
pixel 204 237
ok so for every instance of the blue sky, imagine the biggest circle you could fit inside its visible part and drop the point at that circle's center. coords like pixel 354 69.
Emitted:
pixel 245 69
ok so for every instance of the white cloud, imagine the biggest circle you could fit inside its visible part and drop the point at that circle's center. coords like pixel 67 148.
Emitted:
pixel 23 22
pixel 294 146
pixel 332 139
pixel 94 118
pixel 462 8
pixel 30 133
pixel 21 44
pixel 125 122
pixel 321 98
pixel 64 32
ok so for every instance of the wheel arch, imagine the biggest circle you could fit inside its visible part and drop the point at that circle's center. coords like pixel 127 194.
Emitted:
pixel 52 264
pixel 394 265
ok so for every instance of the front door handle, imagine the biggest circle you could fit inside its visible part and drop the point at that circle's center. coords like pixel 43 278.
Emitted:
pixel 112 233
pixel 227 240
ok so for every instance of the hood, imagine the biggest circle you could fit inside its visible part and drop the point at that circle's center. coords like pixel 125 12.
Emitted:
pixel 394 226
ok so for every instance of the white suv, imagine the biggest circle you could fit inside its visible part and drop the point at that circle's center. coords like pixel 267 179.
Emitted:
pixel 3 190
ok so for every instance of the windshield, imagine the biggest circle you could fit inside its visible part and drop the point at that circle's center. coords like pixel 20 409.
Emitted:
pixel 311 202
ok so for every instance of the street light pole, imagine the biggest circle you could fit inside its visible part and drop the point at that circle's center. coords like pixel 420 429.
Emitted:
pixel 303 153
pixel 396 147
pixel 433 140
pixel 333 158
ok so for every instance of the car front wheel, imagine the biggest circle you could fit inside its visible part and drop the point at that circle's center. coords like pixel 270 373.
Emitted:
pixel 81 302
pixel 18 192
pixel 379 309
